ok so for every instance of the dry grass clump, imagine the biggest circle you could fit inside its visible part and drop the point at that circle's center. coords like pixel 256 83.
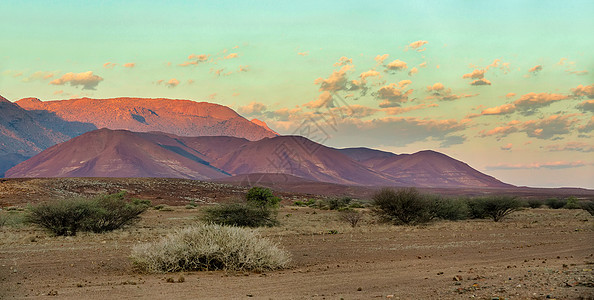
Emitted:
pixel 209 247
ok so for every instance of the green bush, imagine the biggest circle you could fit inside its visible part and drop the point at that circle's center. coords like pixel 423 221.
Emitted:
pixel 494 207
pixel 100 214
pixel 555 203
pixel 209 247
pixel 588 206
pixel 262 197
pixel 534 203
pixel 448 209
pixel 405 206
pixel 572 203
pixel 243 215
pixel 338 203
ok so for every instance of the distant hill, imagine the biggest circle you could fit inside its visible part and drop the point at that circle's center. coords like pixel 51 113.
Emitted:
pixel 23 134
pixel 179 117
pixel 120 153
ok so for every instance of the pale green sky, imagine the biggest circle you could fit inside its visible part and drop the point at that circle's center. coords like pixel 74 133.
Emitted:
pixel 280 62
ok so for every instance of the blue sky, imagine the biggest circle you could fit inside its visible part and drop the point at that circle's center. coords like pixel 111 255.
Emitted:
pixel 506 86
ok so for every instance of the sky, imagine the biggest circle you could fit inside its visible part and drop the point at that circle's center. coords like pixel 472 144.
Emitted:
pixel 505 86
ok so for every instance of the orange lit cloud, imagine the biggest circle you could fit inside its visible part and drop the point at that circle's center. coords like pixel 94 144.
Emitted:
pixel 324 100
pixel 109 65
pixel 587 127
pixel 254 108
pixel 586 106
pixel 231 55
pixel 500 110
pixel 481 82
pixel 549 127
pixel 303 53
pixel 87 80
pixel 370 73
pixel 195 59
pixel 39 75
pixel 438 91
pixel 417 45
pixel 529 103
pixel 342 61
pixel 129 65
pixel 380 58
pixel 336 82
pixel 500 131
pixel 413 71
pixel 392 95
pixel 476 74
pixel 509 95
pixel 397 65
pixel 584 91
pixel 535 70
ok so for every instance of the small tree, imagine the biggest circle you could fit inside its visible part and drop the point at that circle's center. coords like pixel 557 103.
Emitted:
pixel 262 197
pixel 351 216
pixel 405 206
pixel 588 206
pixel 495 207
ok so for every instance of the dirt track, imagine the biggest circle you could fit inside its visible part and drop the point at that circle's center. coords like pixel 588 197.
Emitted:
pixel 534 254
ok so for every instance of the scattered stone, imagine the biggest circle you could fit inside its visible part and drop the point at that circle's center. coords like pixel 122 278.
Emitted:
pixel 458 278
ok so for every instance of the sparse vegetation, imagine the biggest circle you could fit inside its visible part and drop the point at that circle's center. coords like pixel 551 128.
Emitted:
pixel 494 207
pixel 448 209
pixel 572 203
pixel 209 247
pixel 588 206
pixel 100 214
pixel 405 206
pixel 238 214
pixel 534 203
pixel 351 216
pixel 555 203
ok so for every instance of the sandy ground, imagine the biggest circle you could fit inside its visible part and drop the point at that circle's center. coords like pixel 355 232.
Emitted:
pixel 533 254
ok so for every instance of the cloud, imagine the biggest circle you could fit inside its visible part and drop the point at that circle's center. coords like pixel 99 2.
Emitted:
pixel 475 74
pixel 129 65
pixel 243 69
pixel 588 127
pixel 324 100
pixel 571 146
pixel 481 82
pixel 509 95
pixel 500 131
pixel 584 91
pixel 499 110
pixel 417 45
pixel 392 95
pixel 535 70
pixel 303 53
pixel 39 75
pixel 586 106
pixel 370 73
pixel 109 65
pixel 549 127
pixel 355 111
pixel 336 82
pixel 343 61
pixel 380 58
pixel 529 103
pixel 230 56
pixel 397 65
pixel 254 108
pixel 452 140
pixel 401 110
pixel 195 59
pixel 59 92
pixel 544 165
pixel 172 83
pixel 402 131
pixel 413 71
pixel 507 147
pixel 579 73
pixel 438 91
pixel 423 65
pixel 87 80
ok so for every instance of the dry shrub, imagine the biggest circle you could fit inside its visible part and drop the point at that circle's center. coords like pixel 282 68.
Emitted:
pixel 209 247
pixel 351 216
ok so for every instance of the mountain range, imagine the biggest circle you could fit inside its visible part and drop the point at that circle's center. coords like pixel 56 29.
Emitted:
pixel 122 153
pixel 30 125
